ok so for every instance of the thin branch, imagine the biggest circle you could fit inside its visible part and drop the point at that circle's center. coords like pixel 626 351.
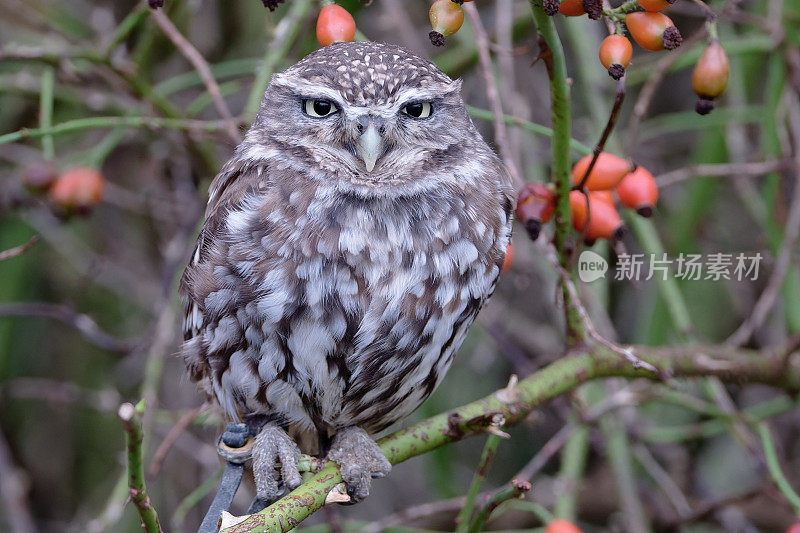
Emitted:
pixel 612 119
pixel 166 445
pixel 719 169
pixel 61 393
pixel 774 466
pixel 84 324
pixel 518 489
pixel 663 480
pixel 132 422
pixel 19 250
pixel 90 123
pixel 203 69
pixel 463 522
pixel 485 61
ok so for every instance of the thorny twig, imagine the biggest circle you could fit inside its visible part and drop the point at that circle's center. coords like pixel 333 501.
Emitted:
pixel 132 422
pixel 754 169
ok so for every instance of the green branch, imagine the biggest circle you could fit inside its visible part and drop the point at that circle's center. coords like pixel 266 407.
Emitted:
pixel 552 54
pixel 113 122
pixel 132 422
pixel 463 522
pixel 515 404
pixel 774 467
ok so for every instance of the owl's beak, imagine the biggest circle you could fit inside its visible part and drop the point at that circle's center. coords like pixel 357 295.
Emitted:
pixel 370 144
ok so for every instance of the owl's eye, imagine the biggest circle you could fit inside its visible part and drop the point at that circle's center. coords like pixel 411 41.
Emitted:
pixel 319 108
pixel 418 110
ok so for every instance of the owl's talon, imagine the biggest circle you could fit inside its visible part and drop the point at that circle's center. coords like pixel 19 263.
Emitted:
pixel 272 446
pixel 360 460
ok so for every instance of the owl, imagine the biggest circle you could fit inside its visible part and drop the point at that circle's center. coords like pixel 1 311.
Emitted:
pixel 348 245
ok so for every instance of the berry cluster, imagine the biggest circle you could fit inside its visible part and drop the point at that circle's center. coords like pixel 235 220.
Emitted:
pixel 592 200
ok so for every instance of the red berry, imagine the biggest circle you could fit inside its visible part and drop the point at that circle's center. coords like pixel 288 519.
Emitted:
pixel 335 25
pixel 559 525
pixel 572 8
pixel 710 76
pixel 615 54
pixel 794 528
pixel 655 5
pixel 594 217
pixel 80 188
pixel 607 171
pixel 446 19
pixel 653 31
pixel 638 190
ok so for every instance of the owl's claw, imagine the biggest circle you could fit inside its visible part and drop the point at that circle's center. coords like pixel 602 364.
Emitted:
pixel 360 460
pixel 273 446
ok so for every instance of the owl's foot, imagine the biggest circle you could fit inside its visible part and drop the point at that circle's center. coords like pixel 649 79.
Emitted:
pixel 272 446
pixel 360 459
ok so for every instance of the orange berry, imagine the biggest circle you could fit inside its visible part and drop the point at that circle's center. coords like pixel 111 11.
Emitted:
pixel 509 258
pixel 638 190
pixel 536 205
pixel 80 188
pixel 653 31
pixel 605 196
pixel 572 8
pixel 559 525
pixel 710 76
pixel 446 19
pixel 606 172
pixel 655 5
pixel 615 54
pixel 594 217
pixel 335 25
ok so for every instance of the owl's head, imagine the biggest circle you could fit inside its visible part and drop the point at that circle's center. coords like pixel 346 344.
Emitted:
pixel 370 114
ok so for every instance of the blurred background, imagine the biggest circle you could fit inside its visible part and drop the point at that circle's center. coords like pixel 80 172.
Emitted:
pixel 89 314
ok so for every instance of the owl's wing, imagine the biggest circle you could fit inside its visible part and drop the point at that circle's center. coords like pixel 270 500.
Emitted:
pixel 226 191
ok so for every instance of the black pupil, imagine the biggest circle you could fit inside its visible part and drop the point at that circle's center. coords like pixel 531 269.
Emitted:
pixel 415 110
pixel 321 107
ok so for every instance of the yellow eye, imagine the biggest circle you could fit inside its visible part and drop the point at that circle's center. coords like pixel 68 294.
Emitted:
pixel 319 108
pixel 418 110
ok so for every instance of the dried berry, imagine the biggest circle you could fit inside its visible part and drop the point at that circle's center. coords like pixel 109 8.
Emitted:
pixel 638 190
pixel 593 8
pixel 155 4
pixel 615 54
pixel 551 7
pixel 446 19
pixel 607 171
pixel 335 25
pixel 536 205
pixel 653 31
pixel 272 4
